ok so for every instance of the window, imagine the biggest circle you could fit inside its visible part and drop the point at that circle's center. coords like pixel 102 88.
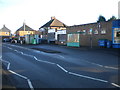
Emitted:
pixel 84 32
pixel 116 35
pixel 28 32
pixel 96 32
pixel 103 31
pixel 90 31
pixel 6 33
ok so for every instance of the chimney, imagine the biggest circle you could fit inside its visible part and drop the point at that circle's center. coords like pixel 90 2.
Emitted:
pixel 53 18
pixel 3 25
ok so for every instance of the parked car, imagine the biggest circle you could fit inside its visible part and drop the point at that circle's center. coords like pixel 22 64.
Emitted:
pixel 6 40
pixel 43 41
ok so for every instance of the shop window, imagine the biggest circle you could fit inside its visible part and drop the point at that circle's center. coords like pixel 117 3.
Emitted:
pixel 103 31
pixel 117 35
pixel 96 32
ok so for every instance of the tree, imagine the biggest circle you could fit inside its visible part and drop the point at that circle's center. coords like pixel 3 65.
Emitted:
pixel 112 18
pixel 101 19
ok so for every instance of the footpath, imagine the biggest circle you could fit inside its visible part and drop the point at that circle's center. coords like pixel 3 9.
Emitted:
pixel 7 80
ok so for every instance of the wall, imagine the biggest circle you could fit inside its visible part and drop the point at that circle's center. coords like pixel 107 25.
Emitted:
pixel 87 37
pixel 4 33
pixel 22 33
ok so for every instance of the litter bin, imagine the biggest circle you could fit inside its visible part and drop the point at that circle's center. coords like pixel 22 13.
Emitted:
pixel 109 44
pixel 34 41
pixel 102 42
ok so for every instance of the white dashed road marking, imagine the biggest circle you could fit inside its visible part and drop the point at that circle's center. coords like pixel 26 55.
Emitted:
pixel 75 74
pixel 62 68
pixel 88 77
pixel 8 68
pixel 115 85
pixel 17 74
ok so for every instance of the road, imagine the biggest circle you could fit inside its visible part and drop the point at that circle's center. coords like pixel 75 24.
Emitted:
pixel 68 68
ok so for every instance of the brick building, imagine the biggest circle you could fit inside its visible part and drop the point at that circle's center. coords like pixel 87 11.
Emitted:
pixel 54 31
pixel 89 34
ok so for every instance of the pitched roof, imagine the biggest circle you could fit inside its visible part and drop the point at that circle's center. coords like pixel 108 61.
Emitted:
pixel 27 28
pixel 54 23
pixel 5 29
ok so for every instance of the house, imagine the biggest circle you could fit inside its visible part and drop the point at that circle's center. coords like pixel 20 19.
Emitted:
pixel 5 32
pixel 24 30
pixel 88 34
pixel 54 31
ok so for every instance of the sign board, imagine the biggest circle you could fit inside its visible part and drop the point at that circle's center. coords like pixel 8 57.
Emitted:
pixel 61 32
pixel 51 30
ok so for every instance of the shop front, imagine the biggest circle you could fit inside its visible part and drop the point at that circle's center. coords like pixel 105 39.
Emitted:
pixel 116 33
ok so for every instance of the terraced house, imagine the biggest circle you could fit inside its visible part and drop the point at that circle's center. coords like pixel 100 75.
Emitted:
pixel 54 31
pixel 5 32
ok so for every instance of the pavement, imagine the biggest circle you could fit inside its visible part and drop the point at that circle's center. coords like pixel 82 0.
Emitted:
pixel 55 66
pixel 7 79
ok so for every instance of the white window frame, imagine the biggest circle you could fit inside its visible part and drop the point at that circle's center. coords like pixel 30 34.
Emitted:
pixel 96 32
pixel 103 31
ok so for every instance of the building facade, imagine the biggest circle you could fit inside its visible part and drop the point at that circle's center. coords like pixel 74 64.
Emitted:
pixel 5 32
pixel 116 33
pixel 54 31
pixel 24 30
pixel 89 34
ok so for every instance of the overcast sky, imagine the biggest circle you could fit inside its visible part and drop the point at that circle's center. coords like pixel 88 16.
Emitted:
pixel 38 12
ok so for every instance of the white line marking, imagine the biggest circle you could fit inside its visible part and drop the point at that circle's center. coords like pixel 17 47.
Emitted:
pixel 21 52
pixel 4 61
pixel 62 68
pixel 8 67
pixel 102 65
pixel 46 62
pixel 35 58
pixel 28 55
pixel 30 84
pixel 61 56
pixel 110 67
pixel 99 65
pixel 17 51
pixel 10 48
pixel 115 85
pixel 88 77
pixel 18 74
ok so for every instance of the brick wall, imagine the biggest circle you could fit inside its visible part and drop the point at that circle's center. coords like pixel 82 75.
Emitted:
pixel 85 39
